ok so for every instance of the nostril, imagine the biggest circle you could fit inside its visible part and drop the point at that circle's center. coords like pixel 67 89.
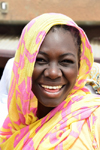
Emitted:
pixel 46 73
pixel 59 72
pixel 52 73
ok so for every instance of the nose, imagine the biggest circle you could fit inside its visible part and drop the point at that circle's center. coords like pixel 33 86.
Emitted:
pixel 53 71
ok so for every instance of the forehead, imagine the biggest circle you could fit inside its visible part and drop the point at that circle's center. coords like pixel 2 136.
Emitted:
pixel 59 39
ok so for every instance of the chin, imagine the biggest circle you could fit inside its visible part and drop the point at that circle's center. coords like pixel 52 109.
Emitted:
pixel 52 105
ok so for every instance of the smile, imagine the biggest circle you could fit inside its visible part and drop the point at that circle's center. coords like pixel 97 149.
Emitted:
pixel 51 89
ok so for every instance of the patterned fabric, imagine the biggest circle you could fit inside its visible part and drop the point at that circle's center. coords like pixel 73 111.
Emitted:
pixel 94 77
pixel 61 128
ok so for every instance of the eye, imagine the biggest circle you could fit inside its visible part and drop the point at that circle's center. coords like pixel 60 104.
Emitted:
pixel 67 62
pixel 40 60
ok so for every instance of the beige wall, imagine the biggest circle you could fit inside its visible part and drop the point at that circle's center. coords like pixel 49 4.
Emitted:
pixel 79 10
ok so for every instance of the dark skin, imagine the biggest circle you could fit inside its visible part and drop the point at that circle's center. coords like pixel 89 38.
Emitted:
pixel 55 71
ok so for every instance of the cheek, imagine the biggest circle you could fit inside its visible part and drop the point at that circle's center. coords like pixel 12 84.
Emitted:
pixel 35 77
pixel 71 74
pixel 37 72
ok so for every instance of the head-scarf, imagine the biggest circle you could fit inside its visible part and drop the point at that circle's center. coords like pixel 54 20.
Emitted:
pixel 94 77
pixel 61 127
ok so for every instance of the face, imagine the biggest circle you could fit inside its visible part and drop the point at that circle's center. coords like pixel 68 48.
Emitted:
pixel 56 68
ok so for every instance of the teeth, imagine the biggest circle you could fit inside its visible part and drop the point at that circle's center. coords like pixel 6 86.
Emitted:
pixel 51 87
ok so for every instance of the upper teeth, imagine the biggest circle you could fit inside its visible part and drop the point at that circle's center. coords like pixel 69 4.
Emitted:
pixel 51 87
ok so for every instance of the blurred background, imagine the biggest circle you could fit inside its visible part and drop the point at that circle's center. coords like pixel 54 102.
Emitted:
pixel 15 14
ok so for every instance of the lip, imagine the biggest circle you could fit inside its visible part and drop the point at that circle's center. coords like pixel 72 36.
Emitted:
pixel 51 93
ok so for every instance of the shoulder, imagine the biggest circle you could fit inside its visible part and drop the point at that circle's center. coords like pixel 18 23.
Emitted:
pixel 9 63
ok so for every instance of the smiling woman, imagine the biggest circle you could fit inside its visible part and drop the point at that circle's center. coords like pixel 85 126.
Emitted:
pixel 48 103
pixel 56 68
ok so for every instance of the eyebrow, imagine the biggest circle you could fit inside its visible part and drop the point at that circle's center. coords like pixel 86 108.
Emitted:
pixel 40 52
pixel 66 54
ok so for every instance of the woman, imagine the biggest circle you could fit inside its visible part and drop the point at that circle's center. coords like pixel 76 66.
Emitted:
pixel 49 107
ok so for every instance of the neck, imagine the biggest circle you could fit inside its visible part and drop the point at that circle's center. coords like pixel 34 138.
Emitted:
pixel 42 111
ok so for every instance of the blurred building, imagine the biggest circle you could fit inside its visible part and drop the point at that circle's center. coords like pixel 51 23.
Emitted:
pixel 15 14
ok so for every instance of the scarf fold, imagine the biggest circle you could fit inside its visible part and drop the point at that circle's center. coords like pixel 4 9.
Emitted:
pixel 61 127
